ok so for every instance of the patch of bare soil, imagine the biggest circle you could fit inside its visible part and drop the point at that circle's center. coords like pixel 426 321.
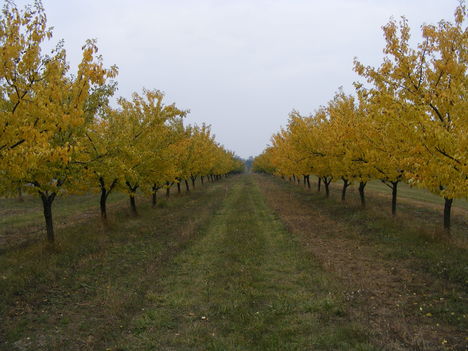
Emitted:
pixel 386 294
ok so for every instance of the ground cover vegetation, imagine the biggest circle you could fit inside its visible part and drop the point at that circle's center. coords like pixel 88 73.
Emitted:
pixel 250 262
pixel 398 275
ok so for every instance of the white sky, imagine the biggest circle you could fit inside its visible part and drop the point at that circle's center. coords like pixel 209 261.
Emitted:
pixel 238 65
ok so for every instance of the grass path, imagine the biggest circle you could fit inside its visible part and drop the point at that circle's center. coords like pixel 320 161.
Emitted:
pixel 246 285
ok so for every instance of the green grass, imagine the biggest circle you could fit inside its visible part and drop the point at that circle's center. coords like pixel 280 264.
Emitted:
pixel 213 270
pixel 246 285
pixel 15 214
pixel 413 193
pixel 82 293
pixel 405 192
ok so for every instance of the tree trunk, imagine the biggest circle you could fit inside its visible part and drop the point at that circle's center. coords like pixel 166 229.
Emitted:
pixel 178 187
pixel 447 212
pixel 327 181
pixel 187 185
pixel 308 181
pixel 345 186
pixel 394 196
pixel 319 182
pixel 133 205
pixel 193 181
pixel 102 204
pixel 362 185
pixel 202 180
pixel 133 190
pixel 154 197
pixel 47 200
pixel 20 194
pixel 168 192
pixel 104 195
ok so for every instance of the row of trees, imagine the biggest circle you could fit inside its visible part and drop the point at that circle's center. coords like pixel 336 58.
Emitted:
pixel 407 123
pixel 58 132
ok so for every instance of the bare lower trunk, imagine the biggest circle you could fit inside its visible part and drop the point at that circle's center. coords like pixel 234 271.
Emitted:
pixel 343 190
pixel 202 179
pixel 327 181
pixel 104 195
pixel 133 205
pixel 187 185
pixel 47 200
pixel 178 187
pixel 308 181
pixel 319 182
pixel 394 196
pixel 102 204
pixel 133 189
pixel 193 181
pixel 362 196
pixel 447 212
pixel 154 197
pixel 20 194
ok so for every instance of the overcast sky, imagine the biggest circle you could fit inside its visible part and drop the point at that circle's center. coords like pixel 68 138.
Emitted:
pixel 238 65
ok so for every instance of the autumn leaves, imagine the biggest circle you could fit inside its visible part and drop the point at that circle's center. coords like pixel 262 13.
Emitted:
pixel 408 122
pixel 59 134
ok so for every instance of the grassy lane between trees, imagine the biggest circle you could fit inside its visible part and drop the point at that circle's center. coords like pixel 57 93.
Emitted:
pixel 246 285
pixel 247 263
pixel 401 277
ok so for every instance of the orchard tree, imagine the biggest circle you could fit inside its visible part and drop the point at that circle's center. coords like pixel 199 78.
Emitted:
pixel 143 128
pixel 44 108
pixel 430 82
pixel 263 163
pixel 105 168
